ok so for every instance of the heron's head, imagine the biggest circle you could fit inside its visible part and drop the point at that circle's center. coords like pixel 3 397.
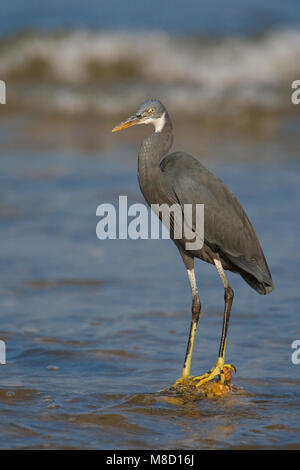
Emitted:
pixel 149 112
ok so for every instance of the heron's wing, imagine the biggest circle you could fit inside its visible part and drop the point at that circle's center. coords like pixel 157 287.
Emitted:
pixel 227 228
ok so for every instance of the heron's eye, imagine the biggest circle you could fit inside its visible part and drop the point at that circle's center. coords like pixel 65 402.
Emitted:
pixel 151 110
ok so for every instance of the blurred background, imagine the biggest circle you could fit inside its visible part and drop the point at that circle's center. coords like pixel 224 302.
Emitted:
pixel 94 329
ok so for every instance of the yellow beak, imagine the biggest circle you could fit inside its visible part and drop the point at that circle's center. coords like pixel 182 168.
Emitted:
pixel 131 121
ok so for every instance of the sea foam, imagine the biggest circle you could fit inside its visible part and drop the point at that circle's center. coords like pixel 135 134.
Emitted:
pixel 107 71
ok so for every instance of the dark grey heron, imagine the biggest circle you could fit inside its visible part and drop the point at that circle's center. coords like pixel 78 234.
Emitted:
pixel 230 242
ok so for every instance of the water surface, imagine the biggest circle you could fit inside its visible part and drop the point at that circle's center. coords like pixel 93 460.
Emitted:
pixel 95 329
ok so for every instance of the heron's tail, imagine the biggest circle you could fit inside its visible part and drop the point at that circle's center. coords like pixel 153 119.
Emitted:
pixel 262 287
pixel 255 272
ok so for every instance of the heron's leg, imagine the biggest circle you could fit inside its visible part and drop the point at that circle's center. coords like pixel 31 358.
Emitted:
pixel 220 365
pixel 228 298
pixel 196 310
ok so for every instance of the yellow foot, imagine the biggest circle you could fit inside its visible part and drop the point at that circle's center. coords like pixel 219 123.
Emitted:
pixel 222 370
pixel 182 381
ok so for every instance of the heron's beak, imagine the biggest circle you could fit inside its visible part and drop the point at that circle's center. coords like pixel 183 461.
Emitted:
pixel 131 121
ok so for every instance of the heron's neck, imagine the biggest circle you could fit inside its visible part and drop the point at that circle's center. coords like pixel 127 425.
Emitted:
pixel 154 148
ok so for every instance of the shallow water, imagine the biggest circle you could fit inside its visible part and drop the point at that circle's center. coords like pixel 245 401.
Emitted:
pixel 95 329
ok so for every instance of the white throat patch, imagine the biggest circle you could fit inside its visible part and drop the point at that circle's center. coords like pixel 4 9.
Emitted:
pixel 158 123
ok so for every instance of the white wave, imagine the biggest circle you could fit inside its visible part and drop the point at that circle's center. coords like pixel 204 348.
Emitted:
pixel 191 72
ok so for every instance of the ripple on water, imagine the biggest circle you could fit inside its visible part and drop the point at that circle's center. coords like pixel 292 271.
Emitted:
pixel 62 283
pixel 17 395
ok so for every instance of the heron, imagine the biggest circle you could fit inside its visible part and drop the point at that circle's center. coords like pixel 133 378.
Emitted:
pixel 230 242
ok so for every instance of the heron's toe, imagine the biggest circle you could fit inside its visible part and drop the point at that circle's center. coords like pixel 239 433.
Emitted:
pixel 222 371
pixel 180 382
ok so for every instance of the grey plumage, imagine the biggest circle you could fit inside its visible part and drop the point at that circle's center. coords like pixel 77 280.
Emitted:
pixel 228 230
